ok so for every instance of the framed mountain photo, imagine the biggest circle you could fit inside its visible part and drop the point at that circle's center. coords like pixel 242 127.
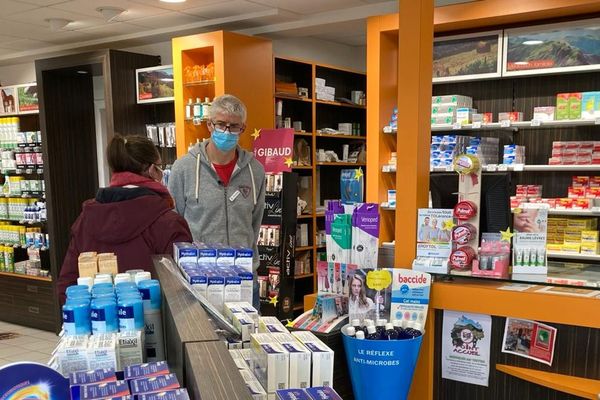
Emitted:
pixel 553 48
pixel 155 84
pixel 467 57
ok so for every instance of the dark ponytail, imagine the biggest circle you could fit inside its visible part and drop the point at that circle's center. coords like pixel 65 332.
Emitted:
pixel 131 154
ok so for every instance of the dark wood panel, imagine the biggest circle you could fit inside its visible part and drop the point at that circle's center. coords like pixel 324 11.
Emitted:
pixel 211 373
pixel 129 118
pixel 576 354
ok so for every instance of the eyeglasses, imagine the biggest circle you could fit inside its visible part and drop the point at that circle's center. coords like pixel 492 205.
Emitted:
pixel 157 166
pixel 234 129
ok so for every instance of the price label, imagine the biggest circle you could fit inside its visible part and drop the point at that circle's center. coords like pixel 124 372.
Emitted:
pixel 502 167
pixel 505 123
pixel 518 167
pixel 449 168
pixel 491 167
pixel 597 121
pixel 477 125
pixel 457 126
pixel 536 122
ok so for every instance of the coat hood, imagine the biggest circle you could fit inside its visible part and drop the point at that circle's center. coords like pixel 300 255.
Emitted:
pixel 118 215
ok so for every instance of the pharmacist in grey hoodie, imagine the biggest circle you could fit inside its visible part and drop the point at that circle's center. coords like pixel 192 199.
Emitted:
pixel 218 187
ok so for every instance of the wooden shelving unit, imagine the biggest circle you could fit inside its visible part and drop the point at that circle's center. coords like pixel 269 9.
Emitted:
pixel 242 67
pixel 322 178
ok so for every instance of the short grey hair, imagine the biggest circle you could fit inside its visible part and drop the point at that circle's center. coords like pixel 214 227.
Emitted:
pixel 229 105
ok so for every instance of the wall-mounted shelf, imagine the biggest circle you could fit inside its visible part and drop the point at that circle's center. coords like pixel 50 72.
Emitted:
pixel 350 137
pixel 340 164
pixel 564 255
pixel 340 104
pixel 575 213
pixel 23 276
pixel 518 125
pixel 286 96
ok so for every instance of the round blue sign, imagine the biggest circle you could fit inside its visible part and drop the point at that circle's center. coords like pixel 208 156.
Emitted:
pixel 32 381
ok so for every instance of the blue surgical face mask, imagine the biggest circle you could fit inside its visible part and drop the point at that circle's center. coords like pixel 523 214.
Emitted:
pixel 224 141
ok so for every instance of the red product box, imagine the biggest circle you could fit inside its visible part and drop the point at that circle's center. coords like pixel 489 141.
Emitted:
pixel 557 161
pixel 595 161
pixel 516 202
pixel 576 192
pixel 488 117
pixel 566 153
pixel 522 190
pixel 593 192
pixel 559 145
pixel 565 203
pixel 569 160
pixel 557 152
pixel 583 160
pixel 583 204
pixel 594 181
pixel 534 190
pixel 596 146
pixel 581 181
pixel 586 145
pixel 552 202
pixel 584 152
pixel 572 145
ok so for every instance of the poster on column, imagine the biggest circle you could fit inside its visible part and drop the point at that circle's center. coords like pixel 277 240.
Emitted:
pixel 466 340
pixel 529 339
pixel 273 148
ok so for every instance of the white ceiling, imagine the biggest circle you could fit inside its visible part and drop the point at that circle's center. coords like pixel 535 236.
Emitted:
pixel 25 33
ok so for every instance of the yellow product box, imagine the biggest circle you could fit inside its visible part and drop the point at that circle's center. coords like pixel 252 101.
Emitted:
pixel 583 223
pixel 590 236
pixel 590 248
pixel 572 240
pixel 87 265
pixel 554 247
pixel 571 247
pixel 551 229
pixel 573 231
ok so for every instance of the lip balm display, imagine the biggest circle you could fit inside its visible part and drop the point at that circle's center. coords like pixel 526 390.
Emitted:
pixel 462 258
pixel 465 210
pixel 463 234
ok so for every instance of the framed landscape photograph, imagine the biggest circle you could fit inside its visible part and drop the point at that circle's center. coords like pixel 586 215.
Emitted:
pixel 553 48
pixel 467 57
pixel 155 84
pixel 28 99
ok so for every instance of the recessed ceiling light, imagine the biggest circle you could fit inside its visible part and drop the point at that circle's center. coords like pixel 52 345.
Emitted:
pixel 82 72
pixel 110 13
pixel 172 1
pixel 522 63
pixel 56 24
pixel 532 42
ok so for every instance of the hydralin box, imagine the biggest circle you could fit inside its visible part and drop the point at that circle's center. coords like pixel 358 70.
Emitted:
pixel 244 258
pixel 233 287
pixel 244 324
pixel 102 351
pixel 78 379
pixel 272 362
pixel 270 325
pixel 292 394
pixel 130 346
pixel 247 284
pixel 207 255
pixel 154 384
pixel 300 359
pixel 241 307
pixel 104 390
pixel 185 252
pixel 256 390
pixel 215 290
pixel 322 358
pixel 71 354
pixel 225 256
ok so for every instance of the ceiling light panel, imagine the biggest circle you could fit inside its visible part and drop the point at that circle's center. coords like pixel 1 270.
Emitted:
pixel 310 6
pixel 178 6
pixel 226 9
pixel 132 10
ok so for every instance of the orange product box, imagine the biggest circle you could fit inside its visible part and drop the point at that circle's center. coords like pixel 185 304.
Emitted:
pixel 576 192
pixel 592 192
pixel 488 118
pixel 565 203
pixel 583 204
pixel 594 181
pixel 581 181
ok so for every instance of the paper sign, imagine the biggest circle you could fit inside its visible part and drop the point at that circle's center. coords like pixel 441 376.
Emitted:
pixel 466 340
pixel 32 381
pixel 273 148
pixel 410 295
pixel 434 233
pixel 477 125
pixel 529 339
pixel 379 280
pixel 505 123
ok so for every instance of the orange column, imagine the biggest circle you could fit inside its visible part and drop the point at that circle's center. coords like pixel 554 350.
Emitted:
pixel 415 54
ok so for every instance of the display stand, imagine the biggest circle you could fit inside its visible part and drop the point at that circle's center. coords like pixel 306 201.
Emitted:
pixel 277 260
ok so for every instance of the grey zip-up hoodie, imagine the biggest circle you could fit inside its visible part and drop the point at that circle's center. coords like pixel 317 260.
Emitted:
pixel 230 215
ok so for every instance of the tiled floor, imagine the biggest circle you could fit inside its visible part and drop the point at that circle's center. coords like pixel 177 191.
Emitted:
pixel 29 344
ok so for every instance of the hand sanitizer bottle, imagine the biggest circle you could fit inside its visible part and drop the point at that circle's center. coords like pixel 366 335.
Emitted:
pixel 413 330
pixel 380 326
pixel 360 335
pixel 356 324
pixel 198 109
pixel 372 333
pixel 398 327
pixel 390 332
pixel 350 331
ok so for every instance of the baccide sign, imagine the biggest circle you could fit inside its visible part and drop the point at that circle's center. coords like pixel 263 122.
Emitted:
pixel 273 148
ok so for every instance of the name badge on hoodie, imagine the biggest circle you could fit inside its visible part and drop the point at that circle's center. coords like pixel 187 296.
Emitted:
pixel 234 195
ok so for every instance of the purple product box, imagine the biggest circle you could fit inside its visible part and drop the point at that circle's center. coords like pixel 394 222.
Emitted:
pixel 95 376
pixel 322 393
pixel 146 370
pixel 104 390
pixel 292 394
pixel 154 384
pixel 177 394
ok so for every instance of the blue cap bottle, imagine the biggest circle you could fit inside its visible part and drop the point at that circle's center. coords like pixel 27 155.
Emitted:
pixel 76 317
pixel 103 313
pixel 131 314
pixel 76 288
pixel 150 291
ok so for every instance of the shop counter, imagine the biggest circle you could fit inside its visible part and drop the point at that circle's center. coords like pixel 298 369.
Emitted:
pixel 194 351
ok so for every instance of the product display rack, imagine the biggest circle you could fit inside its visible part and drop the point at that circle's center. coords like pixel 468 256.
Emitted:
pixel 314 114
pixel 280 212
pixel 242 66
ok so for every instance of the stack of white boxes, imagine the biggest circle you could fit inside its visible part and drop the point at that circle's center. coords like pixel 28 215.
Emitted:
pixel 323 91
pixel 280 360
pixel 444 108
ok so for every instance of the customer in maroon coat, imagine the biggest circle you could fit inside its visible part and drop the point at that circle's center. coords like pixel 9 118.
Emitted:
pixel 132 218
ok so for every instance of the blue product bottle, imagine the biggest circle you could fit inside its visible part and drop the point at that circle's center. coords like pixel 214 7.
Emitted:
pixel 372 333
pixel 76 317
pixel 104 286
pixel 131 314
pixel 380 327
pixel 76 288
pixel 150 292
pixel 103 313
pixel 125 285
pixel 390 332
pixel 78 295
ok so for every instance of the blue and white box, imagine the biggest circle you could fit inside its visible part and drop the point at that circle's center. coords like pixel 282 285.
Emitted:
pixel 215 290
pixel 300 360
pixel 244 324
pixel 292 394
pixel 177 394
pixel 256 390
pixel 323 393
pixel 185 252
pixel 198 279
pixel 154 384
pixel 233 286
pixel 225 256
pixel 146 370
pixel 244 258
pixel 104 390
pixel 272 362
pixel 270 325
pixel 207 255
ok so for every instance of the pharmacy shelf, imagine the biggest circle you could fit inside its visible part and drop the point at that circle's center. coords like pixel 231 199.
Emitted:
pixel 304 248
pixel 286 96
pixel 23 276
pixel 340 164
pixel 575 213
pixel 388 208
pixel 340 136
pixel 340 104
pixel 303 276
pixel 471 127
pixel 298 307
pixel 301 166
pixel 557 168
pixel 514 126
pixel 389 132
pixel 199 83
pixel 567 123
pixel 307 134
pixel 573 256
pixel 528 168
pixel 304 216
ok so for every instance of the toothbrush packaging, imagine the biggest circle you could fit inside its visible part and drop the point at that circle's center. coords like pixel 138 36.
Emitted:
pixel 334 207
pixel 365 235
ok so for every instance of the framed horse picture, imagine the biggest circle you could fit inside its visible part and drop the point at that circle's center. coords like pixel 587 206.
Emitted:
pixel 9 104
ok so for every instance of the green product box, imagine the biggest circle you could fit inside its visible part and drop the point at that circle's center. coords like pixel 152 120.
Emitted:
pixel 575 105
pixel 562 106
